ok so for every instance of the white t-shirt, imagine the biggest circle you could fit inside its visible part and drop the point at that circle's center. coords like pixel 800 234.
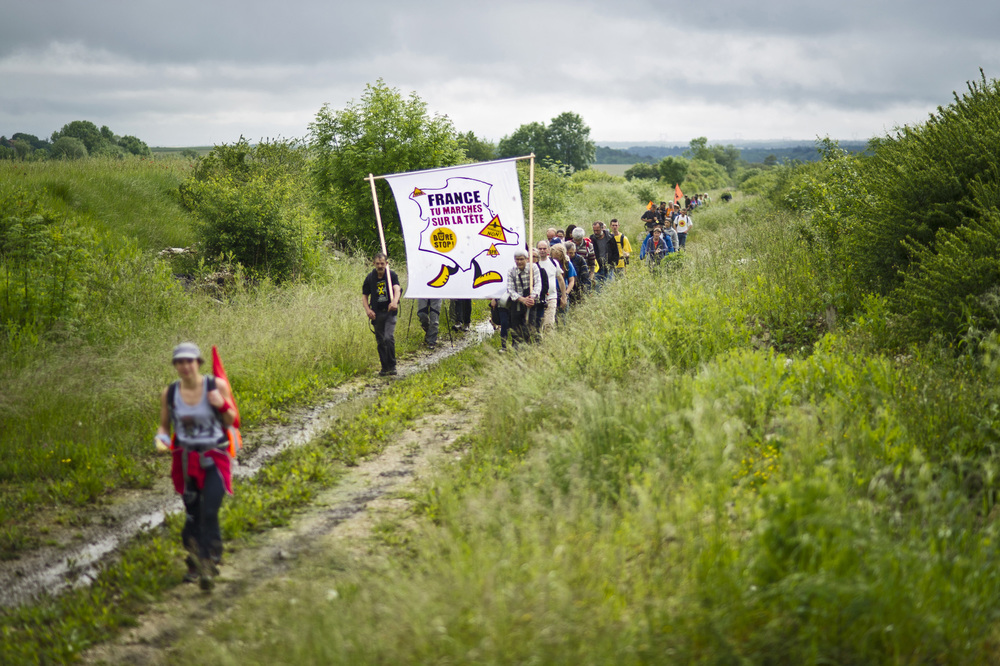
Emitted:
pixel 683 224
pixel 552 270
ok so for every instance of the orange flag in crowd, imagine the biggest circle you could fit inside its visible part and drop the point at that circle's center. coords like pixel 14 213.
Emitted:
pixel 678 195
pixel 650 206
pixel 220 372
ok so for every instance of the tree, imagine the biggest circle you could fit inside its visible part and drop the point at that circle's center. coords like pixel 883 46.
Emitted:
pixel 565 140
pixel 728 157
pixel 21 148
pixel 642 171
pixel 34 141
pixel 476 149
pixel 84 130
pixel 673 170
pixel 526 139
pixel 569 141
pixel 134 146
pixel 699 150
pixel 253 206
pixel 69 148
pixel 382 133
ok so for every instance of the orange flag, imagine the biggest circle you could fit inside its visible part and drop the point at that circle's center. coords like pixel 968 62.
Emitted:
pixel 220 371
pixel 678 195
pixel 650 206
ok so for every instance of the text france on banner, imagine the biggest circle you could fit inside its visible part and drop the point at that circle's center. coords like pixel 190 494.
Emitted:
pixel 461 226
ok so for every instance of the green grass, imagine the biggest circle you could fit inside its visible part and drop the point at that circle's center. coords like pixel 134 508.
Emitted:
pixel 282 347
pixel 658 483
pixel 136 198
pixel 613 169
pixel 57 630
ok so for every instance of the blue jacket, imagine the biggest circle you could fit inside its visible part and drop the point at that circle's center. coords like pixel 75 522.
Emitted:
pixel 646 244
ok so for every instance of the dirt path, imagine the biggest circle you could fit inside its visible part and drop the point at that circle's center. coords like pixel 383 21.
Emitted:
pixel 74 550
pixel 344 514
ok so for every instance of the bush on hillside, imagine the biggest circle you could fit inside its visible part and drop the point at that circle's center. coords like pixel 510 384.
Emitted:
pixel 254 208
pixel 887 223
pixel 703 176
pixel 954 289
pixel 68 148
pixel 642 171
pixel 644 190
pixel 40 267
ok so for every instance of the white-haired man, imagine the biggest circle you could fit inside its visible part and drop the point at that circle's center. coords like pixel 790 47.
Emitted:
pixel 524 284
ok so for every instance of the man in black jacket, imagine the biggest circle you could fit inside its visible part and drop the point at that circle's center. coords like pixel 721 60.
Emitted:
pixel 380 296
pixel 606 251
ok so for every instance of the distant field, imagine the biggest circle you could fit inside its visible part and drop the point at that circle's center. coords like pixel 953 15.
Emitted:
pixel 201 150
pixel 613 169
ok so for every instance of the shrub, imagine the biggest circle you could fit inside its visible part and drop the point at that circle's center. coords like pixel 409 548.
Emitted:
pixel 69 148
pixel 254 207
pixel 644 190
pixel 40 267
pixel 703 176
pixel 642 171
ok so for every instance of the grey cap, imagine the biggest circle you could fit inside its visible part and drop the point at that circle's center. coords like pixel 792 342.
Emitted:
pixel 187 350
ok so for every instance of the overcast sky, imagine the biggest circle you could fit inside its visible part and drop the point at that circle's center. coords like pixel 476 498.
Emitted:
pixel 184 73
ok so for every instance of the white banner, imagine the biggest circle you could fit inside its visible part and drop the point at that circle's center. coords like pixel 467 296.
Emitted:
pixel 461 226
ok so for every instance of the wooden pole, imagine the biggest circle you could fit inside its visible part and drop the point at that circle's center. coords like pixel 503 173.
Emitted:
pixel 378 214
pixel 531 220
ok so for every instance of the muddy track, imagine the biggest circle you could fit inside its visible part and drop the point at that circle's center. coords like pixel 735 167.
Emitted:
pixel 341 517
pixel 73 554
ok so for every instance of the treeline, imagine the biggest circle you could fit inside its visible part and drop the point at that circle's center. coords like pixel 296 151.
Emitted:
pixel 701 167
pixel 76 140
pixel 750 154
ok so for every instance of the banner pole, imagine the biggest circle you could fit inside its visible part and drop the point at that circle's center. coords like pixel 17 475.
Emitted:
pixel 378 214
pixel 531 219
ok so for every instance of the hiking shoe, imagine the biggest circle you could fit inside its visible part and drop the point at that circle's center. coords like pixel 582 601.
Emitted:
pixel 391 372
pixel 193 571
pixel 209 571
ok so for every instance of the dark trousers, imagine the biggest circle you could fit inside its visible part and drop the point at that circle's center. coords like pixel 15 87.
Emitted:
pixel 385 339
pixel 428 311
pixel 535 320
pixel 501 317
pixel 461 312
pixel 201 533
pixel 520 330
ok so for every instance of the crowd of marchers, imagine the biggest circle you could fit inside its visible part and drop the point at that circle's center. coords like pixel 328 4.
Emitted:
pixel 542 286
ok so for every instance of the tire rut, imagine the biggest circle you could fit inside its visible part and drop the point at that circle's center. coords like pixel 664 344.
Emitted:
pixel 73 555
pixel 347 512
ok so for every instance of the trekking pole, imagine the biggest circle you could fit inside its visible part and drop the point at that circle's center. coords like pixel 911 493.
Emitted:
pixel 447 317
pixel 410 322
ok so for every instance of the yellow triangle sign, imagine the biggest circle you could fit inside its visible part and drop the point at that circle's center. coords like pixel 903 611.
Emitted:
pixel 494 230
pixel 417 192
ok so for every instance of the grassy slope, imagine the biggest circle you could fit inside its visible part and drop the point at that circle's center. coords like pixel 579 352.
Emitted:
pixel 135 198
pixel 656 484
